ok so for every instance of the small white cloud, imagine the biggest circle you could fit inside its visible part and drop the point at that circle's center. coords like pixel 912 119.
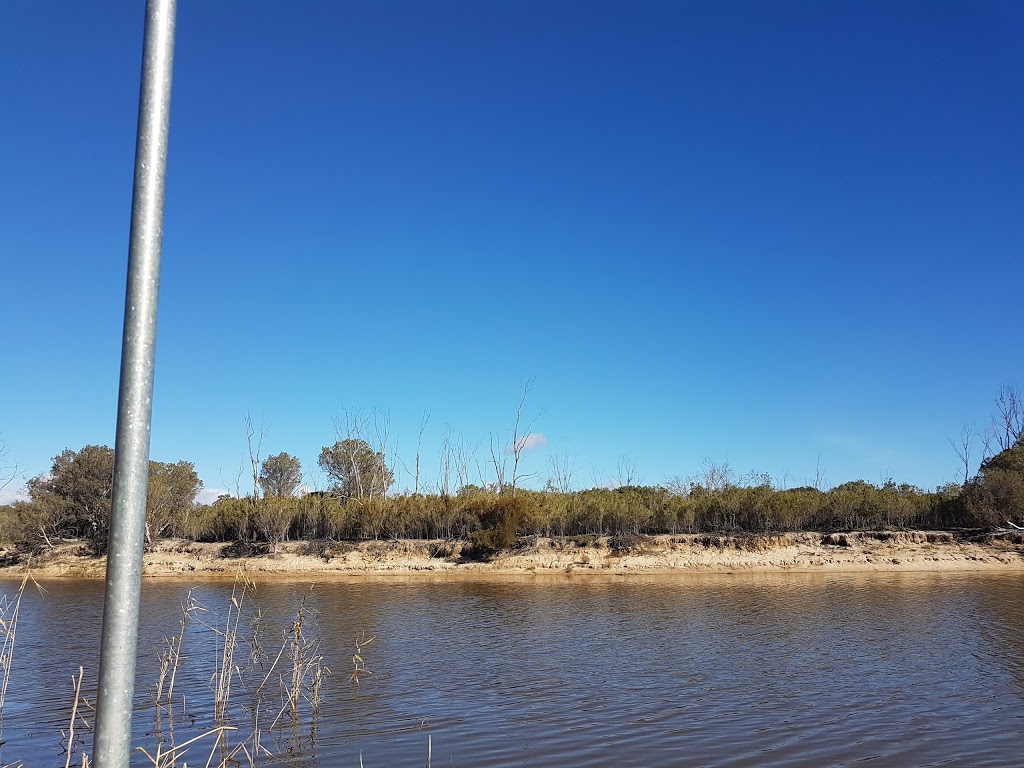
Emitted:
pixel 210 495
pixel 531 442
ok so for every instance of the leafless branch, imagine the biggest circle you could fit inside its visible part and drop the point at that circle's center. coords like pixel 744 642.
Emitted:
pixel 1009 419
pixel 419 446
pixel 251 436
pixel 626 473
pixel 561 469
pixel 962 449
pixel 9 470
pixel 519 444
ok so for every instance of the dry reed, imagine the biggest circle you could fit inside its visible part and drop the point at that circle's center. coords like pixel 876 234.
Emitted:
pixel 9 610
pixel 298 667
pixel 358 664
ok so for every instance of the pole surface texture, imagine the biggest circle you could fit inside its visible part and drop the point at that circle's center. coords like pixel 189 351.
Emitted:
pixel 112 742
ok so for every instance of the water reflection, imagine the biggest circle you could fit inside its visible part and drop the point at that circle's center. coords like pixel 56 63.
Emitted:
pixel 766 670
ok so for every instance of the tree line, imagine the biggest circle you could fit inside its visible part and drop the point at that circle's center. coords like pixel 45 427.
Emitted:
pixel 72 501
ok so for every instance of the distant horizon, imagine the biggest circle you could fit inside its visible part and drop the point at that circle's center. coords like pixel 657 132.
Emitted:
pixel 768 234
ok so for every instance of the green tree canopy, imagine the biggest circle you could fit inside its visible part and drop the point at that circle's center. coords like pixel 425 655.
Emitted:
pixel 75 496
pixel 73 500
pixel 280 475
pixel 996 495
pixel 170 496
pixel 359 471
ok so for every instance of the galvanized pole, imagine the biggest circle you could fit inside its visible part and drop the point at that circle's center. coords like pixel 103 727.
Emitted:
pixel 112 742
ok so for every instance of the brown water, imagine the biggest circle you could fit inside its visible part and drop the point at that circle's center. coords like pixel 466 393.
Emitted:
pixel 816 670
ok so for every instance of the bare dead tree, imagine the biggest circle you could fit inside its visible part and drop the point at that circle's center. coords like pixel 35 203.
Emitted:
pixel 444 474
pixel 499 459
pixel 962 449
pixel 251 437
pixel 782 481
pixel 519 444
pixel 465 455
pixel 987 436
pixel 677 485
pixel 626 472
pixel 416 472
pixel 238 481
pixel 599 480
pixel 254 441
pixel 1008 423
pixel 756 478
pixel 480 473
pixel 819 477
pixel 712 477
pixel 561 468
pixel 10 470
pixel 358 460
pixel 382 431
pixel 419 446
pixel 500 452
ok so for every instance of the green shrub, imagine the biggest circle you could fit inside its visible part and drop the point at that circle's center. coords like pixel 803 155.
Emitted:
pixel 501 521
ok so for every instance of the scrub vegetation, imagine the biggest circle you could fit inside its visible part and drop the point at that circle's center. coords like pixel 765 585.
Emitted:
pixel 72 501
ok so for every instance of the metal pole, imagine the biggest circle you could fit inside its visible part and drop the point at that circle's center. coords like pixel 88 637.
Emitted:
pixel 112 742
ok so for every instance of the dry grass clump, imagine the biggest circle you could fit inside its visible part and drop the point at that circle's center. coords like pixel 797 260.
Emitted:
pixel 239 549
pixel 445 548
pixel 627 544
pixel 327 549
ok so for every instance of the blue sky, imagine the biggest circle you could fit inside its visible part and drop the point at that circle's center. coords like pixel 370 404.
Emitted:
pixel 772 233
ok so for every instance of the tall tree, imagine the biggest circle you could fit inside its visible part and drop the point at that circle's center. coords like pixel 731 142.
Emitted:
pixel 170 496
pixel 75 496
pixel 280 475
pixel 359 471
pixel 996 495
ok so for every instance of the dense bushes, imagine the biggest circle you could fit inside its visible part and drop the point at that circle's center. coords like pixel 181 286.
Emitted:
pixel 493 521
pixel 74 502
pixel 997 493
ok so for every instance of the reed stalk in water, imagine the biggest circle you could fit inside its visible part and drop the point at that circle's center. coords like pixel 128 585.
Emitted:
pixel 9 609
pixel 225 669
pixel 358 664
pixel 298 667
pixel 75 715
pixel 170 659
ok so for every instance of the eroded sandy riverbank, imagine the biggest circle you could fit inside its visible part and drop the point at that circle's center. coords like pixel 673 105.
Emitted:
pixel 861 551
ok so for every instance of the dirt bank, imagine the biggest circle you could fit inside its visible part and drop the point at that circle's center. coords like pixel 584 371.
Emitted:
pixel 860 551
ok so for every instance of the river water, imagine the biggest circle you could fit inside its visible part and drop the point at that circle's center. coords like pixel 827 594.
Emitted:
pixel 889 669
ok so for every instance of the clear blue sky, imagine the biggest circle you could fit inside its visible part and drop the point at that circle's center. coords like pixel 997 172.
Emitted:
pixel 765 232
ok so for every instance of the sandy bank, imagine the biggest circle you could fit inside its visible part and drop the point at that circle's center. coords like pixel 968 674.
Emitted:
pixel 861 551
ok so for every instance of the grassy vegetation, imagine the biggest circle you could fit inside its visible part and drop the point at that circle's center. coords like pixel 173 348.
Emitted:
pixel 262 699
pixel 493 520
pixel 488 521
pixel 72 501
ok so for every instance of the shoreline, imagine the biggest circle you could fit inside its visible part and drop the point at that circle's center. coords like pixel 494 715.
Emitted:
pixel 859 551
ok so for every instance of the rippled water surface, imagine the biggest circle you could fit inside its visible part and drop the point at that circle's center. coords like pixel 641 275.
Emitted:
pixel 888 669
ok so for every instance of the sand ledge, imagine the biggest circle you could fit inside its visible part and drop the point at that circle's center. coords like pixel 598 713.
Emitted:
pixel 858 551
